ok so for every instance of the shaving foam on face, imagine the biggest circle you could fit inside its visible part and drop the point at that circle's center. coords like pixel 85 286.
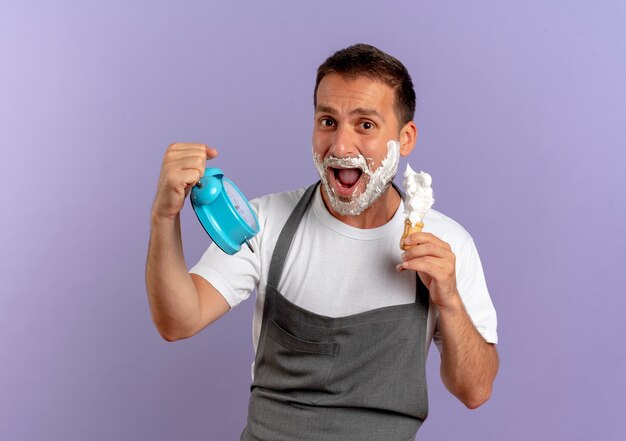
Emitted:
pixel 377 183
pixel 418 196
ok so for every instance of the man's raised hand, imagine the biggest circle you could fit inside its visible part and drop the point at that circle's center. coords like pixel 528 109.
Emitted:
pixel 183 166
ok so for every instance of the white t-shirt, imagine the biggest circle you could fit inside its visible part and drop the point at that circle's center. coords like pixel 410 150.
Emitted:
pixel 336 270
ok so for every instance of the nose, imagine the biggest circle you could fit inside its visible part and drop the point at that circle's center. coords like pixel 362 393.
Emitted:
pixel 343 143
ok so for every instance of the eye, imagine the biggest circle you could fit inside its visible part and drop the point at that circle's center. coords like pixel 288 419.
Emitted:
pixel 327 122
pixel 367 125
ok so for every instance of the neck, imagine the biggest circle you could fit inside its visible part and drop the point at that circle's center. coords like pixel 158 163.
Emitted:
pixel 378 214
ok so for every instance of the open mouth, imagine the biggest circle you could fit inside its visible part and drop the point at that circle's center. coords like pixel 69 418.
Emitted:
pixel 345 179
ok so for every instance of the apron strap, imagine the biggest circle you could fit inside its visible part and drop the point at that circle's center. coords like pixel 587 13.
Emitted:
pixel 286 237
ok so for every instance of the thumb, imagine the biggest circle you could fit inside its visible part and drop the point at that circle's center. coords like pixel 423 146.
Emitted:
pixel 211 153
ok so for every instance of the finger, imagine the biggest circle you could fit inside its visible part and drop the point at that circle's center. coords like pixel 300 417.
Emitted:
pixel 202 155
pixel 190 177
pixel 183 149
pixel 428 265
pixel 181 179
pixel 186 162
pixel 425 278
pixel 184 146
pixel 211 152
pixel 175 155
pixel 421 237
pixel 426 249
pixel 172 158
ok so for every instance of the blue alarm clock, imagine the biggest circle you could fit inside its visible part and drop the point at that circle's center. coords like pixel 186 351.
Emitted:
pixel 223 211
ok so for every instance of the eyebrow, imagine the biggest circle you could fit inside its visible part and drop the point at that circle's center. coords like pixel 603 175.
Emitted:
pixel 358 111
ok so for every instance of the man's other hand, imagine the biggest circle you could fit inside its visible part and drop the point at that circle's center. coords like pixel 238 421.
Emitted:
pixel 434 261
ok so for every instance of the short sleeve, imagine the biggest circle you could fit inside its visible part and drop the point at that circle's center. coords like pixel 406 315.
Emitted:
pixel 473 290
pixel 234 276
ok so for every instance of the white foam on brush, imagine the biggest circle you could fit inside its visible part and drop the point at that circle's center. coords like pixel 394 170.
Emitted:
pixel 418 196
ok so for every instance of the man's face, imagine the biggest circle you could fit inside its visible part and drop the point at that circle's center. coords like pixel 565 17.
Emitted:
pixel 355 118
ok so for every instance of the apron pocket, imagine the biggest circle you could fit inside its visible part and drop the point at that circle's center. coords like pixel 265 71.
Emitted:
pixel 293 365
pixel 297 344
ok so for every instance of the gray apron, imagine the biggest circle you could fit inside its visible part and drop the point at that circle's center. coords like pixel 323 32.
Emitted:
pixel 355 378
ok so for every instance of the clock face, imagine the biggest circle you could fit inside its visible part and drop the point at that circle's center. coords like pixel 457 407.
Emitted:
pixel 240 204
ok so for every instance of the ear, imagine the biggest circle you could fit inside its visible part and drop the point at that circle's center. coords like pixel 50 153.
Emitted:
pixel 408 137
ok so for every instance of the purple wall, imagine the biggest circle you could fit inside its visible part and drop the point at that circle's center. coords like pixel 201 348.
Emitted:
pixel 522 118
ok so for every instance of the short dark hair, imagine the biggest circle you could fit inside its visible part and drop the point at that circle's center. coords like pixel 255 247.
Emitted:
pixel 364 60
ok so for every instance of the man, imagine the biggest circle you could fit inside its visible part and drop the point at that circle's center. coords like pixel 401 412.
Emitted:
pixel 344 317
